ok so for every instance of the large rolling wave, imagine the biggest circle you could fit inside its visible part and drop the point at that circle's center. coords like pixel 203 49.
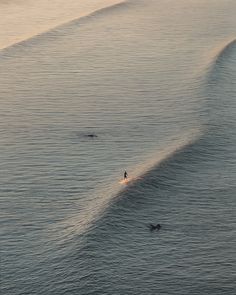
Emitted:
pixel 195 146
pixel 60 29
pixel 143 175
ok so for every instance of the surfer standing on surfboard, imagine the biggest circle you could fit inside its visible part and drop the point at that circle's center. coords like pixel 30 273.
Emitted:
pixel 125 175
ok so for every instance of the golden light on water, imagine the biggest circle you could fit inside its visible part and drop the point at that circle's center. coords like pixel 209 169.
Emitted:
pixel 21 22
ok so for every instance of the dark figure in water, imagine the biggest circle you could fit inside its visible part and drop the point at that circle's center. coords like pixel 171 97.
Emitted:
pixel 91 135
pixel 154 227
pixel 125 175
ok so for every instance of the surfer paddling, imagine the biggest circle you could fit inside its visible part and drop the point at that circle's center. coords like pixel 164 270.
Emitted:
pixel 125 175
pixel 153 227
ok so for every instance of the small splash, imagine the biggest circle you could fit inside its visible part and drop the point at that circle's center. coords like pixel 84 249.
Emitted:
pixel 124 181
pixel 128 180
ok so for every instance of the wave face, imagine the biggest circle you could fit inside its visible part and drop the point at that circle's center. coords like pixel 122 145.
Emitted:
pixel 120 90
pixel 225 51
pixel 220 84
pixel 221 54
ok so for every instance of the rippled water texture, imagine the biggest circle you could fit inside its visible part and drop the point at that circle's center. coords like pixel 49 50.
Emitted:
pixel 93 90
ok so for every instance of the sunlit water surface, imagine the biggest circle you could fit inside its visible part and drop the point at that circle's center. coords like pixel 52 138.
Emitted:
pixel 143 86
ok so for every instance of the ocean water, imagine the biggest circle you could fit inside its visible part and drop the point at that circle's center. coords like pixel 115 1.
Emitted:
pixel 155 81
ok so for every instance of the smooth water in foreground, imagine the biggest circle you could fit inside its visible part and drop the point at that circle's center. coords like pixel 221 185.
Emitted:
pixel 155 81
